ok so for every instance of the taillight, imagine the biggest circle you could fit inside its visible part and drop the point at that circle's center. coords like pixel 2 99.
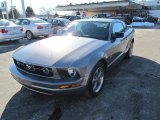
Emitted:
pixel 3 31
pixel 39 27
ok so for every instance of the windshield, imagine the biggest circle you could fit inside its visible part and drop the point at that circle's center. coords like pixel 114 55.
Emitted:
pixel 65 21
pixel 92 29
pixel 6 23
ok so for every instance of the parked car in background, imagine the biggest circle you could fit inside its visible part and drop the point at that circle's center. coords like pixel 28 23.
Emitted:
pixel 121 18
pixel 152 19
pixel 138 19
pixel 45 19
pixel 118 18
pixel 9 31
pixel 126 17
pixel 102 15
pixel 58 23
pixel 71 17
pixel 34 27
pixel 12 20
pixel 76 61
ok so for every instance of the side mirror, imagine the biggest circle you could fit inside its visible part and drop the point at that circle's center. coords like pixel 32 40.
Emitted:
pixel 117 35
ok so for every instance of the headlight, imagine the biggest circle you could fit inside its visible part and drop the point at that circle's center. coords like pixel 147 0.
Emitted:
pixel 68 73
pixel 72 72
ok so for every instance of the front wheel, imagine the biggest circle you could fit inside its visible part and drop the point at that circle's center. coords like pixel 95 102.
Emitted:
pixel 46 36
pixel 96 80
pixel 130 51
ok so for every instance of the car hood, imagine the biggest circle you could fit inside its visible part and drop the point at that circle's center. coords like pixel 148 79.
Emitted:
pixel 57 51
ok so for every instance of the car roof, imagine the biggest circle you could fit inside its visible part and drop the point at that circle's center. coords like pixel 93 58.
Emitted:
pixel 30 18
pixel 60 18
pixel 100 20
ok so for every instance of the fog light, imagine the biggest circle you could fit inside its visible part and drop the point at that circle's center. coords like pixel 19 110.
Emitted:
pixel 72 72
pixel 69 86
pixel 65 86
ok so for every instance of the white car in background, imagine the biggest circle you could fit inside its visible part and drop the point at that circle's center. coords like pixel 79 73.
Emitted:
pixel 34 27
pixel 10 31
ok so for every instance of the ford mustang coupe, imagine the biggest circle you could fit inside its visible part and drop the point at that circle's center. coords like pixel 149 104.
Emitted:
pixel 77 60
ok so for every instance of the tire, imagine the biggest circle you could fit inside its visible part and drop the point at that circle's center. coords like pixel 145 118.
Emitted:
pixel 29 35
pixel 130 51
pixel 96 80
pixel 46 36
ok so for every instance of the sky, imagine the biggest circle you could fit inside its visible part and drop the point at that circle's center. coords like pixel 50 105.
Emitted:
pixel 37 4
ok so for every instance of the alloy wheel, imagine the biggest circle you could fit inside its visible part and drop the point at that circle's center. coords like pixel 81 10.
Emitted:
pixel 98 79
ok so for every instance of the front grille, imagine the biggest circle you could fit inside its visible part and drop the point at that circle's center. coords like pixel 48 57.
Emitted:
pixel 34 69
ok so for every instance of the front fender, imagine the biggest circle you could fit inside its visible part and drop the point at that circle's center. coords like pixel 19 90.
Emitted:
pixel 92 63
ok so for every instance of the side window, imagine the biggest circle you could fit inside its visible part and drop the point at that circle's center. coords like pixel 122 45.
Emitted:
pixel 54 22
pixel 25 22
pixel 60 23
pixel 118 27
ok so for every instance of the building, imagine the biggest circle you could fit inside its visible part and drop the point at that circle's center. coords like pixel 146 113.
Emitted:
pixel 112 7
pixel 152 6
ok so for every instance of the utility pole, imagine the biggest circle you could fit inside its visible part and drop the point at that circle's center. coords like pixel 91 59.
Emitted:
pixel 12 9
pixel 23 9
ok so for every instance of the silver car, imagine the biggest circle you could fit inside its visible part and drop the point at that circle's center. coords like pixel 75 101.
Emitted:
pixel 34 27
pixel 75 61
pixel 10 31
pixel 58 23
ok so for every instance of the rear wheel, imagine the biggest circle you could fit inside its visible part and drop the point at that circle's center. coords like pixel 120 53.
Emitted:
pixel 29 35
pixel 96 80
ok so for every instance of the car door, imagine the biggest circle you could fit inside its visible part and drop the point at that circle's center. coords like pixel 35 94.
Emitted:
pixel 116 43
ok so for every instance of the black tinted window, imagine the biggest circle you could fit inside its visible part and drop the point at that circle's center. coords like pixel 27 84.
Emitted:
pixel 54 22
pixel 25 22
pixel 92 29
pixel 22 22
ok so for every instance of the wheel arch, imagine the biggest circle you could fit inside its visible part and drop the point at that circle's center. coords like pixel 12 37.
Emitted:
pixel 28 31
pixel 102 60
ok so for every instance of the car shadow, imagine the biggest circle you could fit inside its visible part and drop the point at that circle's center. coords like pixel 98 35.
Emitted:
pixel 128 90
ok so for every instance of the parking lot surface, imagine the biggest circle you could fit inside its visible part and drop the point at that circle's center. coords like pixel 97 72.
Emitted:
pixel 131 90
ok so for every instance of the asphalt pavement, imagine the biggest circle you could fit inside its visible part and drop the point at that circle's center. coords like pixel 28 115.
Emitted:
pixel 131 90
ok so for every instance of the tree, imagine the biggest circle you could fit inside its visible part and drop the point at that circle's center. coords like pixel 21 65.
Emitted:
pixel 56 15
pixel 29 12
pixel 16 13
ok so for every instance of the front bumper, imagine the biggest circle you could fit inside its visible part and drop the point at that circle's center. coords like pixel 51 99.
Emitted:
pixel 45 85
